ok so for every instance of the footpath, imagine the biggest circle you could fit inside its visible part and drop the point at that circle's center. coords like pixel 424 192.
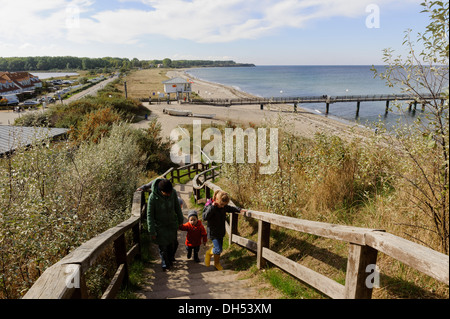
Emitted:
pixel 188 279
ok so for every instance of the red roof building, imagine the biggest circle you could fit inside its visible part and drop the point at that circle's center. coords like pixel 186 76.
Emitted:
pixel 18 82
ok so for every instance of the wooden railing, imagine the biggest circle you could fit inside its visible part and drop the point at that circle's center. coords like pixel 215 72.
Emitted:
pixel 66 279
pixel 364 245
pixel 194 168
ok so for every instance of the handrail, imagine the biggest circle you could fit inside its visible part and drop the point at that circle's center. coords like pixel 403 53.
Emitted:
pixel 364 245
pixel 317 99
pixel 65 279
pixel 197 186
pixel 192 168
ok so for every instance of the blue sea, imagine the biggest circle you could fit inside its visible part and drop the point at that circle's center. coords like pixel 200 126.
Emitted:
pixel 296 81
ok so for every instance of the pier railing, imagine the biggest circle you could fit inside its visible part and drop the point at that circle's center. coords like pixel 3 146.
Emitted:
pixel 364 245
pixel 413 99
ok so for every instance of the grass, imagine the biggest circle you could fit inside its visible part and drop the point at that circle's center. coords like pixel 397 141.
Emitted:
pixel 289 286
pixel 143 83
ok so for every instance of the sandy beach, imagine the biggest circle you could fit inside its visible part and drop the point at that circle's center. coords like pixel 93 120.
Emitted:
pixel 303 122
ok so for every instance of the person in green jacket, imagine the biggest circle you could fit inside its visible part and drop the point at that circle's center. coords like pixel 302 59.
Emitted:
pixel 164 216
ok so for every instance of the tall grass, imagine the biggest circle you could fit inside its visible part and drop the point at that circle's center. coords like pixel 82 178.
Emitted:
pixel 357 182
pixel 53 198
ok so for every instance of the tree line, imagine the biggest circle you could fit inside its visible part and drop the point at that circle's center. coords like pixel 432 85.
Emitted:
pixel 45 63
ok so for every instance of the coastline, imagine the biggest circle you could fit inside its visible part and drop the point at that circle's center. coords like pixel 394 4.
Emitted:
pixel 302 123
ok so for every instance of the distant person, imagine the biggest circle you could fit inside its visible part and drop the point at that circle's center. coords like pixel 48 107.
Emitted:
pixel 164 216
pixel 215 215
pixel 196 233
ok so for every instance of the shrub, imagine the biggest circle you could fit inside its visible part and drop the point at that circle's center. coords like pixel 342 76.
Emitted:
pixel 53 198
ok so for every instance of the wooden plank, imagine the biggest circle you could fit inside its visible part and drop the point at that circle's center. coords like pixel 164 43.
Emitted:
pixel 135 250
pixel 54 283
pixel 322 283
pixel 87 253
pixel 426 260
pixel 359 257
pixel 244 242
pixel 116 283
pixel 120 250
pixel 333 231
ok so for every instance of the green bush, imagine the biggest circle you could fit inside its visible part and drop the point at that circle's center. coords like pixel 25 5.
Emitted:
pixel 53 198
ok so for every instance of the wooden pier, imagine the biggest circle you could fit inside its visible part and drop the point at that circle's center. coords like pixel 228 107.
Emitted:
pixel 328 100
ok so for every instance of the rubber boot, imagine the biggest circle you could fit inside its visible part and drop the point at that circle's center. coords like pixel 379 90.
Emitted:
pixel 208 257
pixel 217 262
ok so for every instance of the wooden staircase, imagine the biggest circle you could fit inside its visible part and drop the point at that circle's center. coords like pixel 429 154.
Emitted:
pixel 188 279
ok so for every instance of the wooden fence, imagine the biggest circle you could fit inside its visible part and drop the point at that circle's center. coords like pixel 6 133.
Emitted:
pixel 364 245
pixel 66 279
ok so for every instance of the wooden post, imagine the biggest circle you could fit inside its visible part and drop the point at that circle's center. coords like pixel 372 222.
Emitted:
pixel 125 87
pixel 121 255
pixel 358 104
pixel 196 194
pixel 262 106
pixel 359 257
pixel 234 219
pixel 137 238
pixel 295 107
pixel 328 108
pixel 82 291
pixel 263 242
pixel 207 193
pixel 387 107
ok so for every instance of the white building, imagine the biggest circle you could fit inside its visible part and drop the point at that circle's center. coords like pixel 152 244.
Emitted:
pixel 178 86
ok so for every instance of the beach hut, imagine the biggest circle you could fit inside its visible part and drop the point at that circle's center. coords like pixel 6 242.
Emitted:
pixel 179 86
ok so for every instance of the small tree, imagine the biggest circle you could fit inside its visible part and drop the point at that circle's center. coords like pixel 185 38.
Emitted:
pixel 424 145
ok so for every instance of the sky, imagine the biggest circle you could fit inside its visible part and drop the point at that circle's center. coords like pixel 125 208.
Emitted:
pixel 263 32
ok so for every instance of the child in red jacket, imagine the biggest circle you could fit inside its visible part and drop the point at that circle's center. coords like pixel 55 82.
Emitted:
pixel 195 233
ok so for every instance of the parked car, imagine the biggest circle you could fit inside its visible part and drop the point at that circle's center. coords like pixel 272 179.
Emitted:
pixel 47 99
pixel 30 102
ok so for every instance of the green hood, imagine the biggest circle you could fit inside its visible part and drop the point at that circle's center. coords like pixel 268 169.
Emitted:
pixel 163 215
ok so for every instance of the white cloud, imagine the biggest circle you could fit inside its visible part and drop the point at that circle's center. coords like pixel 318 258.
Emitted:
pixel 202 21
